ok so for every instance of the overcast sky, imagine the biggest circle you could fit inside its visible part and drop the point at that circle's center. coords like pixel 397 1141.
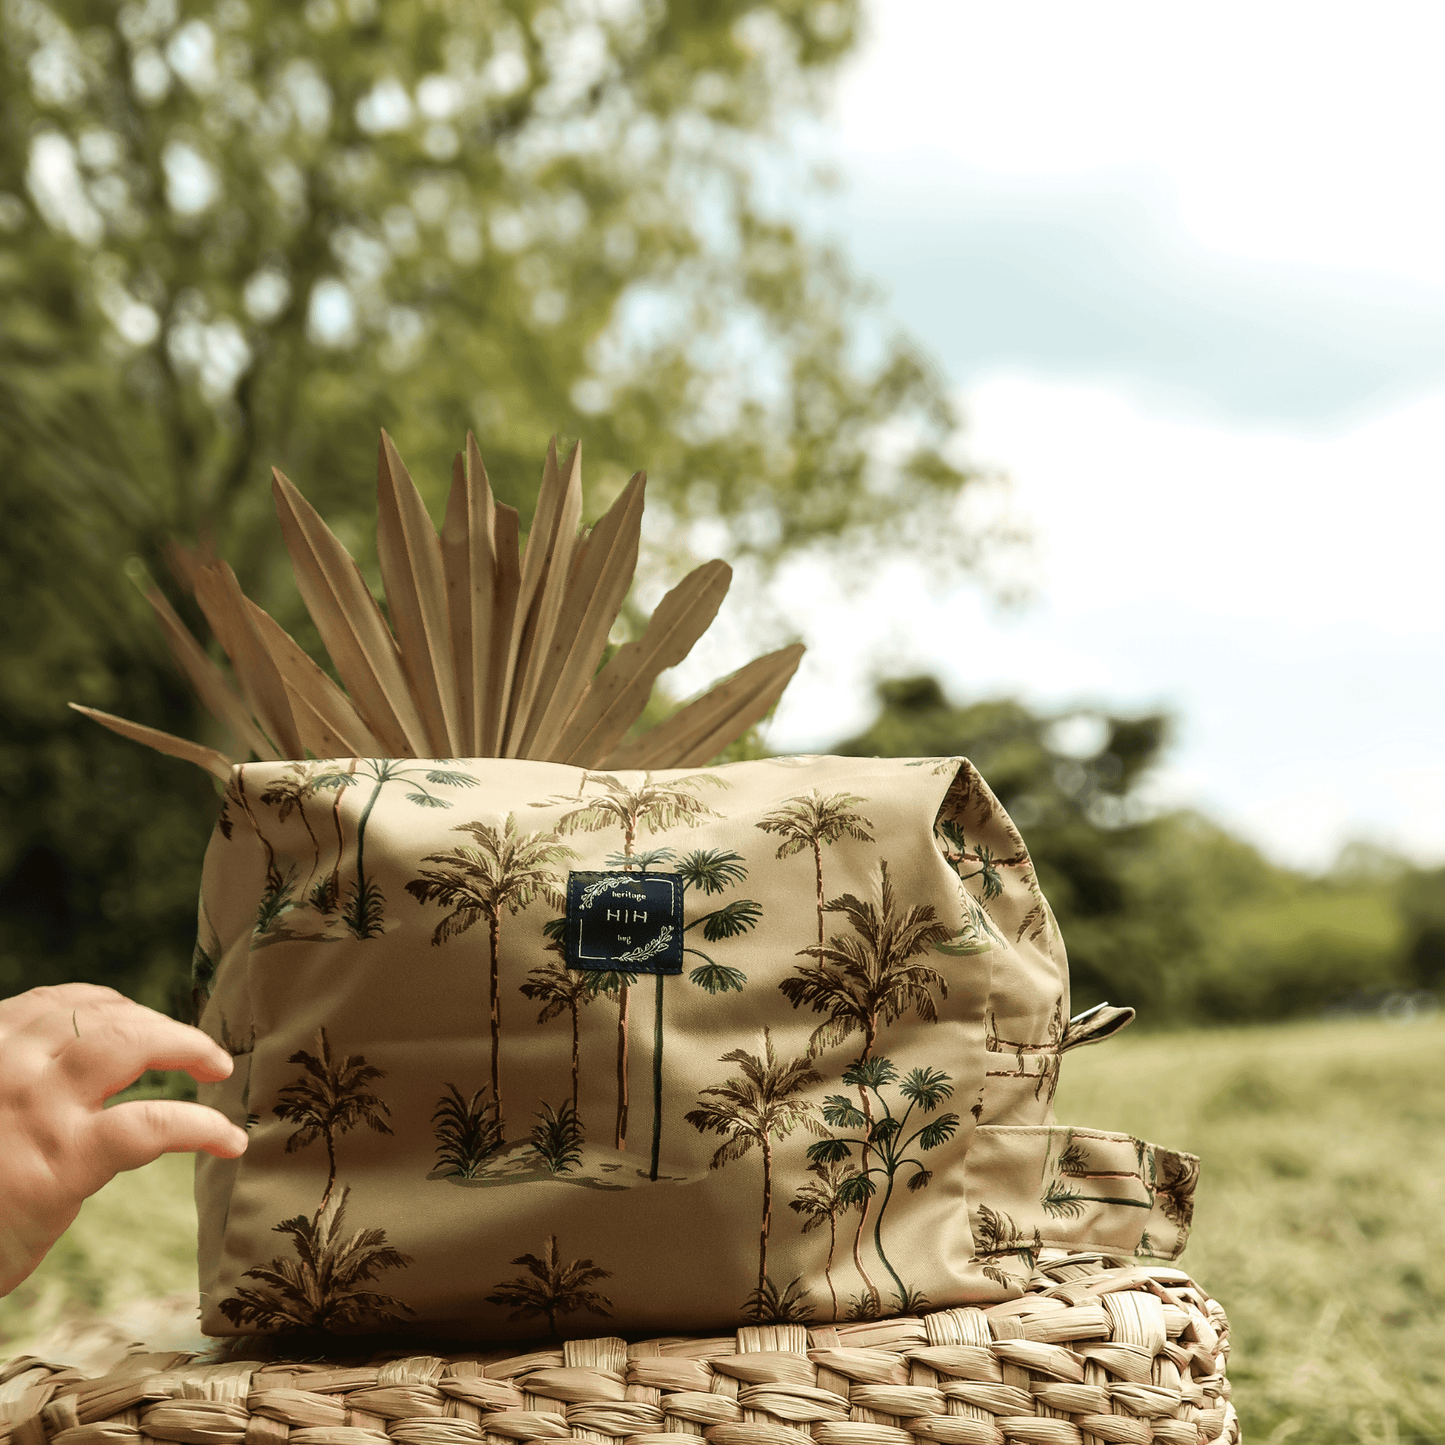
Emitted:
pixel 1186 268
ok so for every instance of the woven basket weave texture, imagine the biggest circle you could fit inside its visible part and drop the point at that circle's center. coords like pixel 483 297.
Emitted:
pixel 1096 1350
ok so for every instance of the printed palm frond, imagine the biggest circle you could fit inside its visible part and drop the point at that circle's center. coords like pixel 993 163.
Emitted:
pixel 815 821
pixel 550 1288
pixel 767 1305
pixel 328 1100
pixel 467 1131
pixel 319 1289
pixel 874 975
pixel 485 650
pixel 557 1137
pixel 763 1102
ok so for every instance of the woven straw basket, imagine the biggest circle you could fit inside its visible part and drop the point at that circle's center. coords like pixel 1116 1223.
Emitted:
pixel 1097 1350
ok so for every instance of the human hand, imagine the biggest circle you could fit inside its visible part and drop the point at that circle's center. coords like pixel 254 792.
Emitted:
pixel 63 1052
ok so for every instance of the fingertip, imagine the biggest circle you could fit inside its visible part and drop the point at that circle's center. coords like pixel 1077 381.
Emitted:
pixel 212 1070
pixel 231 1147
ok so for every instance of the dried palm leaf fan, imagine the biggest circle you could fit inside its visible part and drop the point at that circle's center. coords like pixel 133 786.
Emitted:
pixel 489 653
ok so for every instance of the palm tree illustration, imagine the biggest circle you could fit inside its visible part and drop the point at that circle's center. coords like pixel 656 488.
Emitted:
pixel 326 895
pixel 816 822
pixel 997 1236
pixel 1176 1178
pixel 467 1130
pixel 275 893
pixel 364 913
pixel 560 990
pixel 887 1140
pixel 289 794
pixel 867 979
pixel 821 1201
pixel 709 871
pixel 328 1100
pixel 1064 1197
pixel 320 1288
pixel 1047 1077
pixel 654 806
pixel 500 871
pixel 762 1103
pixel 551 1288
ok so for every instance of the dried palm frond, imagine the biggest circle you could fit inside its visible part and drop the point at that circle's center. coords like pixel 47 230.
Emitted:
pixel 488 653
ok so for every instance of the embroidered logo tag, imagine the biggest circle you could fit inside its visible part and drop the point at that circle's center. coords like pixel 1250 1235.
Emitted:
pixel 627 922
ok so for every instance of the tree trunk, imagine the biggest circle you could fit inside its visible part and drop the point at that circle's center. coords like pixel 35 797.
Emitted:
pixel 494 938
pixel 767 1216
pixel 869 1035
pixel 334 894
pixel 576 1060
pixel 361 839
pixel 828 1268
pixel 624 1011
pixel 315 846
pixel 878 1244
pixel 818 868
pixel 624 1006
pixel 273 874
pixel 657 1080
pixel 330 1176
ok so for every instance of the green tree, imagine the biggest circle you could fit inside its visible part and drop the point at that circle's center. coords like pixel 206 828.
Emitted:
pixel 656 807
pixel 240 233
pixel 500 871
pixel 709 871
pixel 289 794
pixel 1165 911
pixel 328 1100
pixel 822 1200
pixel 815 822
pixel 871 976
pixel 761 1103
pixel 887 1139
pixel 365 913
pixel 560 990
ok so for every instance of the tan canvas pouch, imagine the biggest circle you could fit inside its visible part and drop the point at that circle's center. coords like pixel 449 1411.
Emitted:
pixel 474 1109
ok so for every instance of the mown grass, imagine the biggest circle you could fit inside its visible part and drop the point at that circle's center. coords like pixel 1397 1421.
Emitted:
pixel 1320 1223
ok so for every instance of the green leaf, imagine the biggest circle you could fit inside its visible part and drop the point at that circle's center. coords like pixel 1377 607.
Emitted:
pixel 940 1130
pixel 883 1131
pixel 731 920
pixel 717 978
pixel 842 1113
pixel 426 800
pixel 829 1151
pixel 928 1087
pixel 870 1073
pixel 711 869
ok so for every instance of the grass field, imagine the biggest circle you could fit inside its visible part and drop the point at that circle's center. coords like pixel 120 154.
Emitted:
pixel 1320 1222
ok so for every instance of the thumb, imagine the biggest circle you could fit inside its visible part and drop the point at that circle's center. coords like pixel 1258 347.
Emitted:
pixel 130 1135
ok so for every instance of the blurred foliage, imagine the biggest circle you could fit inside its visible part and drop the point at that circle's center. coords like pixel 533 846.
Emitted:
pixel 1169 913
pixel 242 232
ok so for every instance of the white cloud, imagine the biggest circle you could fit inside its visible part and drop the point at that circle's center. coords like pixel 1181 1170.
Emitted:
pixel 1287 131
pixel 1277 589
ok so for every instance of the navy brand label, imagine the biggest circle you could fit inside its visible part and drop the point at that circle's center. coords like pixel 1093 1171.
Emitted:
pixel 624 922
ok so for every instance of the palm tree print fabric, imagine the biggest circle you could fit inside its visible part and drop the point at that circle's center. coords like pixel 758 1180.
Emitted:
pixel 455 1128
